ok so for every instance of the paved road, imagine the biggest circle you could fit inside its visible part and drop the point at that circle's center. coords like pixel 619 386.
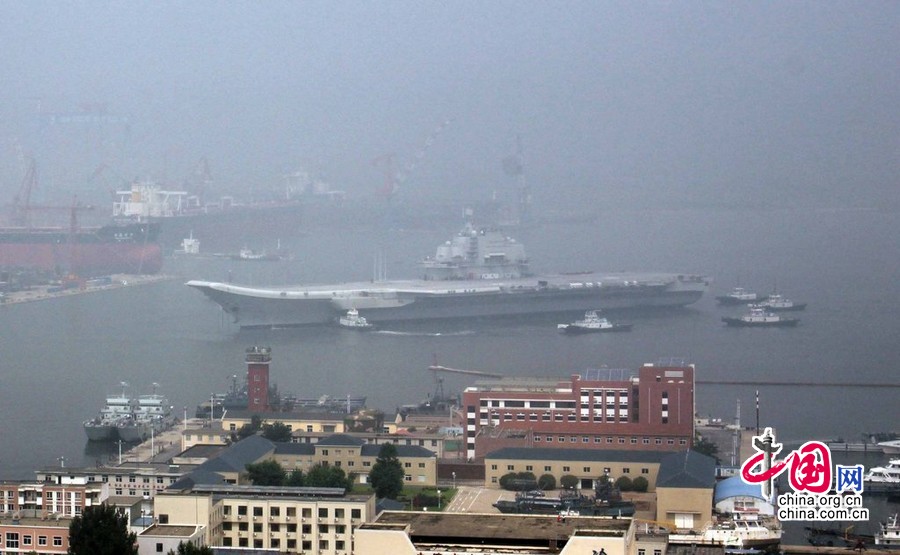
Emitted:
pixel 471 499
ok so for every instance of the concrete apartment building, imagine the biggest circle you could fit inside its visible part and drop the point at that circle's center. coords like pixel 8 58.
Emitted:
pixel 41 535
pixel 317 521
pixel 599 409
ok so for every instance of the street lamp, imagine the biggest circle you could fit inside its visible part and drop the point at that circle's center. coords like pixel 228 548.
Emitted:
pixel 439 499
pixel 454 479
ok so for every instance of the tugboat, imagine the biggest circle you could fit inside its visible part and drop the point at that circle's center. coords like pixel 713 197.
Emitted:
pixel 354 321
pixel 590 323
pixel 739 295
pixel 759 318
pixel 777 303
pixel 888 536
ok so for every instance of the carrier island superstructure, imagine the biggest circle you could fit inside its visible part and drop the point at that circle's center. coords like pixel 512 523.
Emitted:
pixel 479 273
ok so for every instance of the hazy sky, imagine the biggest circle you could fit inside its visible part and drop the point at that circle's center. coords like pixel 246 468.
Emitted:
pixel 752 102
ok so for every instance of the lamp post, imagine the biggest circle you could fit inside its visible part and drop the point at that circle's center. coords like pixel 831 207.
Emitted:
pixel 454 479
pixel 439 499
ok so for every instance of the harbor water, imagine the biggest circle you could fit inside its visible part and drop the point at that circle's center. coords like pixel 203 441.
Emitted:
pixel 60 357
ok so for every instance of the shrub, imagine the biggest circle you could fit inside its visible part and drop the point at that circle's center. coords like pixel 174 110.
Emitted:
pixel 507 480
pixel 640 484
pixel 547 481
pixel 568 481
pixel 624 483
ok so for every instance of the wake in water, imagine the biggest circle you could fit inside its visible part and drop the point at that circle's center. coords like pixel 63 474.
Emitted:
pixel 425 333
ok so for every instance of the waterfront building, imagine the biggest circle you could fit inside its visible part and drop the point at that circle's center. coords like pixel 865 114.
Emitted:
pixel 434 442
pixel 355 456
pixel 412 533
pixel 317 521
pixel 163 538
pixel 598 409
pixel 684 490
pixel 28 534
pixel 309 421
pixel 588 465
pixel 65 496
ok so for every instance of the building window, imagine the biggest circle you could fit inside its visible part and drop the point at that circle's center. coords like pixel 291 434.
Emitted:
pixel 682 441
pixel 355 513
pixel 529 468
pixel 257 511
pixel 12 540
pixel 421 465
pixel 586 469
pixel 323 512
pixel 562 439
pixel 645 471
pixel 546 469
pixel 549 439
pixel 57 541
pixel 42 540
pixel 585 439
pixel 642 551
pixel 566 469
pixel 274 511
pixel 670 441
pixel 323 545
pixel 493 467
pixel 163 518
pixel 609 440
pixel 537 438
pixel 646 441
pixel 634 441
pixel 159 547
pixel 626 470
pixel 658 441
pixel 26 540
pixel 510 467
pixel 598 439
pixel 621 440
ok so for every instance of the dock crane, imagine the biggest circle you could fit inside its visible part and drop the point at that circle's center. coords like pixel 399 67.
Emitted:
pixel 393 180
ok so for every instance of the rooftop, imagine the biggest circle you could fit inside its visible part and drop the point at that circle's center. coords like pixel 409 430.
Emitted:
pixel 169 530
pixel 501 528
pixel 588 455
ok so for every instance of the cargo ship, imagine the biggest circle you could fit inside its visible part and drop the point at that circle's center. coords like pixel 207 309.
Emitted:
pixel 83 251
pixel 479 273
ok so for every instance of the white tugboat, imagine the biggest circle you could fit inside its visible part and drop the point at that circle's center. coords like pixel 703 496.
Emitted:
pixel 760 318
pixel 777 303
pixel 888 535
pixel 592 322
pixel 739 295
pixel 354 321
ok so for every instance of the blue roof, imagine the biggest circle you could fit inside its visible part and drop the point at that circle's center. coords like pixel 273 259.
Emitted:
pixel 736 487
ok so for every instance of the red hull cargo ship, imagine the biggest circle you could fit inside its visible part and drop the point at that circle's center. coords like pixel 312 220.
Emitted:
pixel 85 252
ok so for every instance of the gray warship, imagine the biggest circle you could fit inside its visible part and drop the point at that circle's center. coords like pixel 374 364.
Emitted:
pixel 479 273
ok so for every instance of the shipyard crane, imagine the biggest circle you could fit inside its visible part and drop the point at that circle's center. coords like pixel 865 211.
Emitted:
pixel 393 180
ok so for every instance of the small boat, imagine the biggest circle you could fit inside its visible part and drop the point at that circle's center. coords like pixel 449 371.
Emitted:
pixel 736 533
pixel 739 295
pixel 891 447
pixel 760 318
pixel 888 535
pixel 252 255
pixel 883 479
pixel 592 322
pixel 354 321
pixel 777 303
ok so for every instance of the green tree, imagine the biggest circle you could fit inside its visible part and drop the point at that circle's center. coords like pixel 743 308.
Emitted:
pixel 508 480
pixel 640 484
pixel 567 481
pixel 248 430
pixel 325 476
pixel 547 481
pixel 387 474
pixel 266 473
pixel 295 479
pixel 190 549
pixel 706 447
pixel 624 483
pixel 101 530
pixel 278 431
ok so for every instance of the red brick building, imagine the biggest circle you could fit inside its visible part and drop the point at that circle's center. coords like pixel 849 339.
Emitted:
pixel 612 409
